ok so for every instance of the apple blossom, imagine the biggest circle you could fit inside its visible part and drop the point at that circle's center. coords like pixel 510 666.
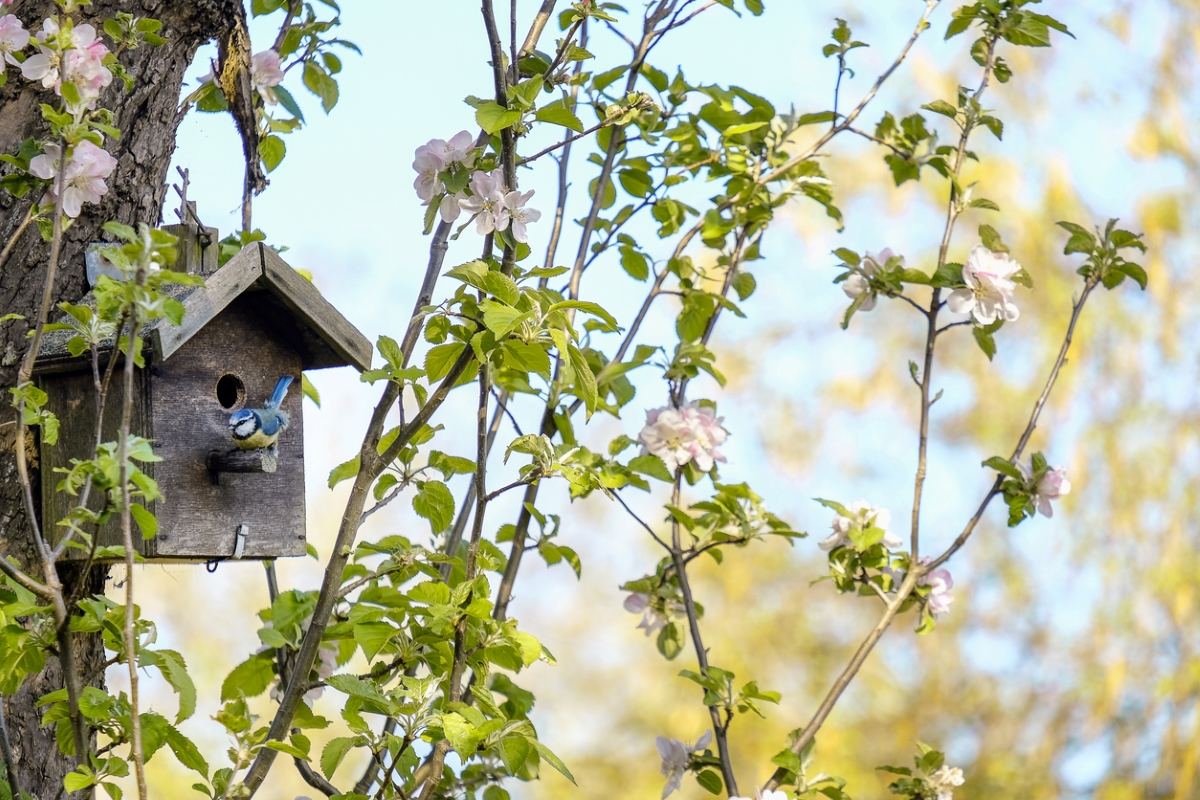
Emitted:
pixel 459 150
pixel 265 74
pixel 945 781
pixel 653 620
pixel 940 583
pixel 451 206
pixel 514 204
pixel 675 756
pixel 680 435
pixel 1053 485
pixel 55 43
pixel 83 179
pixel 428 184
pixel 486 203
pixel 864 515
pixel 13 38
pixel 777 794
pixel 871 265
pixel 988 295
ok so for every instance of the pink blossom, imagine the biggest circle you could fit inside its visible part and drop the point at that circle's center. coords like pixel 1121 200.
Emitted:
pixel 988 295
pixel 428 184
pixel 266 73
pixel 1053 485
pixel 940 583
pixel 83 179
pixel 680 435
pixel 520 216
pixel 13 38
pixel 871 265
pixel 864 515
pixel 459 150
pixel 487 204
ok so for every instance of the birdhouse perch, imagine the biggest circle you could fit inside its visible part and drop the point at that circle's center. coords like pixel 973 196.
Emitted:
pixel 255 320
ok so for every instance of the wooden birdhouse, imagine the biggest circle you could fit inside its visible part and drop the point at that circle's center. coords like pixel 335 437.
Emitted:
pixel 256 319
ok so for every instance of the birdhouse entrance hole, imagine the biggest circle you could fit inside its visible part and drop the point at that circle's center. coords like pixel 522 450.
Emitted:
pixel 231 392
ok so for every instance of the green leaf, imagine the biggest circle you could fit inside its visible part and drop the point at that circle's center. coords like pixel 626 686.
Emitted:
pixel 271 150
pixel 288 102
pixel 587 307
pixel 514 752
pixel 548 756
pixel 502 287
pixel 710 781
pixel 319 83
pixel 435 503
pixel 1003 465
pixel 558 114
pixel 501 319
pixel 493 117
pixel 289 749
pixel 440 359
pixel 585 380
pixel 986 342
pixel 941 107
pixel 343 471
pixel 373 637
pixel 991 239
pixel 250 678
pixel 653 466
pixel 145 520
pixel 309 390
pixel 335 751
pixel 186 751
pixel 744 284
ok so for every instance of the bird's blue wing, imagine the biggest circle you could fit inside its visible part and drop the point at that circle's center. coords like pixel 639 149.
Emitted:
pixel 271 424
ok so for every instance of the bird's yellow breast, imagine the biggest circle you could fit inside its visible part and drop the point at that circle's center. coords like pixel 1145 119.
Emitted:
pixel 256 441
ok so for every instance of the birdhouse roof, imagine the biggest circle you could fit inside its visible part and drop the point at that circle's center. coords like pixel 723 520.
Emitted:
pixel 291 303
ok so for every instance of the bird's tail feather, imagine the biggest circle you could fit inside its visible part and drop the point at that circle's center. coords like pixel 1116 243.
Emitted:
pixel 281 387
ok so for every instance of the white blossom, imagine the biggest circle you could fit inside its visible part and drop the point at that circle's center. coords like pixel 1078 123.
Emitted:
pixel 871 265
pixel 675 756
pixel 680 435
pixel 864 515
pixel 988 295
pixel 945 781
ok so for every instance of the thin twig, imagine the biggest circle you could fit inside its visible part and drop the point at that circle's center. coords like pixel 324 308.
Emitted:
pixel 137 751
pixel 564 143
pixel 640 521
pixel 720 731
pixel 12 241
pixel 10 763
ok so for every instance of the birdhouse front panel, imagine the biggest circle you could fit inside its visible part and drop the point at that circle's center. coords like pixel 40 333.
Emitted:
pixel 232 363
pixel 202 399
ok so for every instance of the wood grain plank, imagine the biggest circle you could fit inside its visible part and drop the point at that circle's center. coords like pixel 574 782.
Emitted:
pixel 318 313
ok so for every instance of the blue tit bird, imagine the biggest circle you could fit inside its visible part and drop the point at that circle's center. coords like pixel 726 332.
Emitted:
pixel 259 428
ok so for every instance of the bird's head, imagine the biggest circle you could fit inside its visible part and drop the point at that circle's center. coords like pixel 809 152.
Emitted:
pixel 243 424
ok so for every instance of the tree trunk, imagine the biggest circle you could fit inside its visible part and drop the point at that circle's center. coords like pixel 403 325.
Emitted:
pixel 148 119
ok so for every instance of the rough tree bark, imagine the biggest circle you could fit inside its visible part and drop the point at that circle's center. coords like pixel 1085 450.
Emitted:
pixel 147 117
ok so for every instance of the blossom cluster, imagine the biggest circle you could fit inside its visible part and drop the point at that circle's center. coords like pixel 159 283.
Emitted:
pixel 682 435
pixel 863 516
pixel 83 177
pixel 945 780
pixel 860 282
pixel 439 161
pixel 67 54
